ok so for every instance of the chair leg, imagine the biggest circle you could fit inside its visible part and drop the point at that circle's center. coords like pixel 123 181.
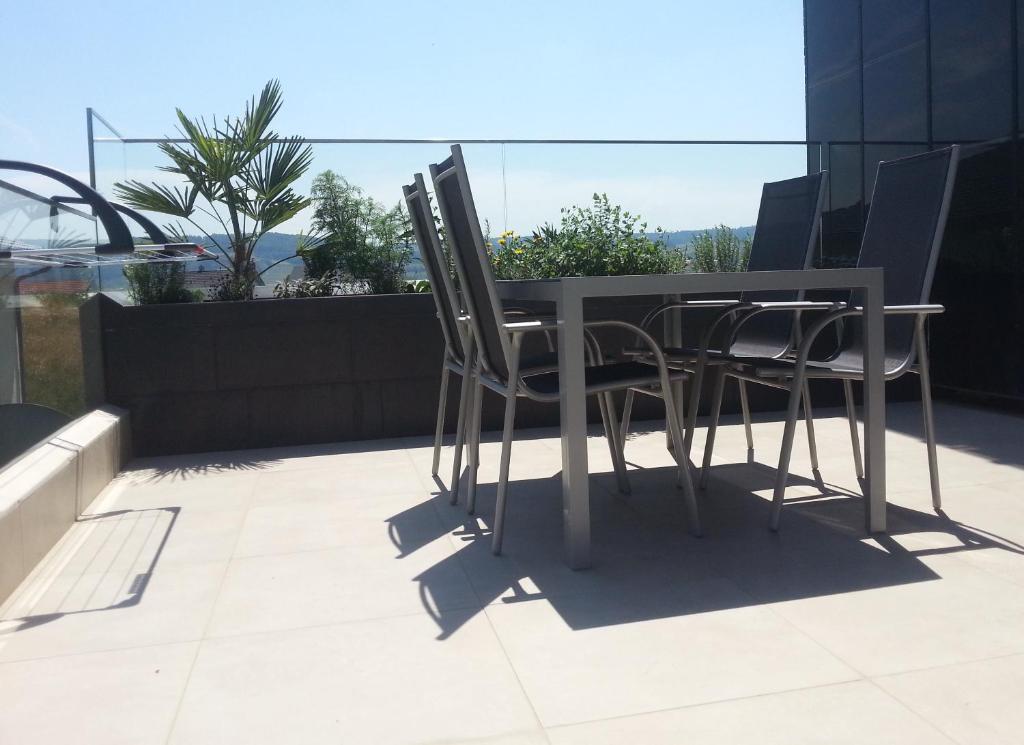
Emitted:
pixel 786 451
pixel 812 444
pixel 695 391
pixel 506 447
pixel 674 428
pixel 929 414
pixel 716 410
pixel 474 446
pixel 851 414
pixel 745 407
pixel 442 401
pixel 615 444
pixel 506 456
pixel 627 413
pixel 468 382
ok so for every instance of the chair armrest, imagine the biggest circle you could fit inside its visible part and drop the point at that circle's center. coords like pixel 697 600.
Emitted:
pixel 921 311
pixel 686 305
pixel 536 324
pixel 797 305
pixel 908 310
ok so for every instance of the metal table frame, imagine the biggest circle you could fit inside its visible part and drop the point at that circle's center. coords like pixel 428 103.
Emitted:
pixel 568 294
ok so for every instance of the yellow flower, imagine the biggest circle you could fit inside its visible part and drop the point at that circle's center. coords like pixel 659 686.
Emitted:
pixel 517 250
pixel 501 241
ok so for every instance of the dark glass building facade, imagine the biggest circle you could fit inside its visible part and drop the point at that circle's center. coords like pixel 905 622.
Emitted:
pixel 887 78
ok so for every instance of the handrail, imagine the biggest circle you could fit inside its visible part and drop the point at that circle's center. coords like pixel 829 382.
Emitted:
pixel 526 141
pixel 155 233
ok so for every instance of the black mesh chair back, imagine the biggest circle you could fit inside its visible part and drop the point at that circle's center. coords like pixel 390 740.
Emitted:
pixel 785 238
pixel 436 265
pixel 903 235
pixel 476 277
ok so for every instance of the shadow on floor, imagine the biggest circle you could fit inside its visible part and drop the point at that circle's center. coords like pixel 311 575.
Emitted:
pixel 143 531
pixel 647 567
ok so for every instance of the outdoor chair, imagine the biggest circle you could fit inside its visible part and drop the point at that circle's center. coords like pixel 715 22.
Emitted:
pixel 786 236
pixel 902 235
pixel 499 344
pixel 458 338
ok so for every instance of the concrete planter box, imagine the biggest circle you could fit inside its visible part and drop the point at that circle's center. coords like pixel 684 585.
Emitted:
pixel 223 376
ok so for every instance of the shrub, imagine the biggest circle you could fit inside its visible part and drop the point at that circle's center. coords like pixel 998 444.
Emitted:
pixel 719 250
pixel 598 240
pixel 361 241
pixel 163 282
pixel 323 286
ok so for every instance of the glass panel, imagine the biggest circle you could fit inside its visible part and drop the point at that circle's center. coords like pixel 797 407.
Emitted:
pixel 892 25
pixel 45 299
pixel 842 224
pixel 972 69
pixel 832 34
pixel 1020 59
pixel 896 96
pixel 975 279
pixel 833 109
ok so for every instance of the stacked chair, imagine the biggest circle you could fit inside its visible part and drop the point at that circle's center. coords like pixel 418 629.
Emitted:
pixel 498 343
pixel 903 234
pixel 762 337
pixel 785 238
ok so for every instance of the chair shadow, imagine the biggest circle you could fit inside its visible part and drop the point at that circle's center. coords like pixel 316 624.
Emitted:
pixel 647 567
pixel 136 588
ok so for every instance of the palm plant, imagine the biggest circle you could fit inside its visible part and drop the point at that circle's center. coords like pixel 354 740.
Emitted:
pixel 243 173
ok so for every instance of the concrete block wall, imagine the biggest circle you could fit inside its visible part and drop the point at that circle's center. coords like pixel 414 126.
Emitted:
pixel 203 377
pixel 43 492
pixel 224 376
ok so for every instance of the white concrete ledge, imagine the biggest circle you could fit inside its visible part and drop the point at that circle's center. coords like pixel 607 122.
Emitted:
pixel 43 492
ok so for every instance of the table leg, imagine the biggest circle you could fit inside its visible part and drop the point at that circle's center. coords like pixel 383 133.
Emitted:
pixel 874 410
pixel 573 403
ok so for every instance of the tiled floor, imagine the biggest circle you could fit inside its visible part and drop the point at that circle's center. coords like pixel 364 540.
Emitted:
pixel 330 594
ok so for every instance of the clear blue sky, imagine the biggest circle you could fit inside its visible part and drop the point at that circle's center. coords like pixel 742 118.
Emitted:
pixel 463 68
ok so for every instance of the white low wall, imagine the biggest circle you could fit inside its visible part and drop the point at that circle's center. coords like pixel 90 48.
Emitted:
pixel 43 492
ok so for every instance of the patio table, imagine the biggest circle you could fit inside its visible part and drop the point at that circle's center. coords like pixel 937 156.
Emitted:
pixel 568 293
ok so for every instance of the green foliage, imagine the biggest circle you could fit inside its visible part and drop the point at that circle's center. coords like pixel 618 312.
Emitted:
pixel 322 286
pixel 417 286
pixel 163 282
pixel 361 240
pixel 602 239
pixel 235 174
pixel 719 250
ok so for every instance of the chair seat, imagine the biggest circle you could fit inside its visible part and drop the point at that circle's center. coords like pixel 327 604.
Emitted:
pixel 746 348
pixel 601 378
pixel 538 363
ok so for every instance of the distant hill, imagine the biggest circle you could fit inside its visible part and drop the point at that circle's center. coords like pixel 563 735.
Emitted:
pixel 683 237
pixel 280 247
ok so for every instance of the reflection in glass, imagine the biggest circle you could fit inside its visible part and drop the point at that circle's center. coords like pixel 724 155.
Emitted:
pixel 833 109
pixel 896 95
pixel 972 69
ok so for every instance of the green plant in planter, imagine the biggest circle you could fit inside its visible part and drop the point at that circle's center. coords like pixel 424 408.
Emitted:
pixel 164 282
pixel 238 173
pixel 361 240
pixel 417 286
pixel 719 250
pixel 602 239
